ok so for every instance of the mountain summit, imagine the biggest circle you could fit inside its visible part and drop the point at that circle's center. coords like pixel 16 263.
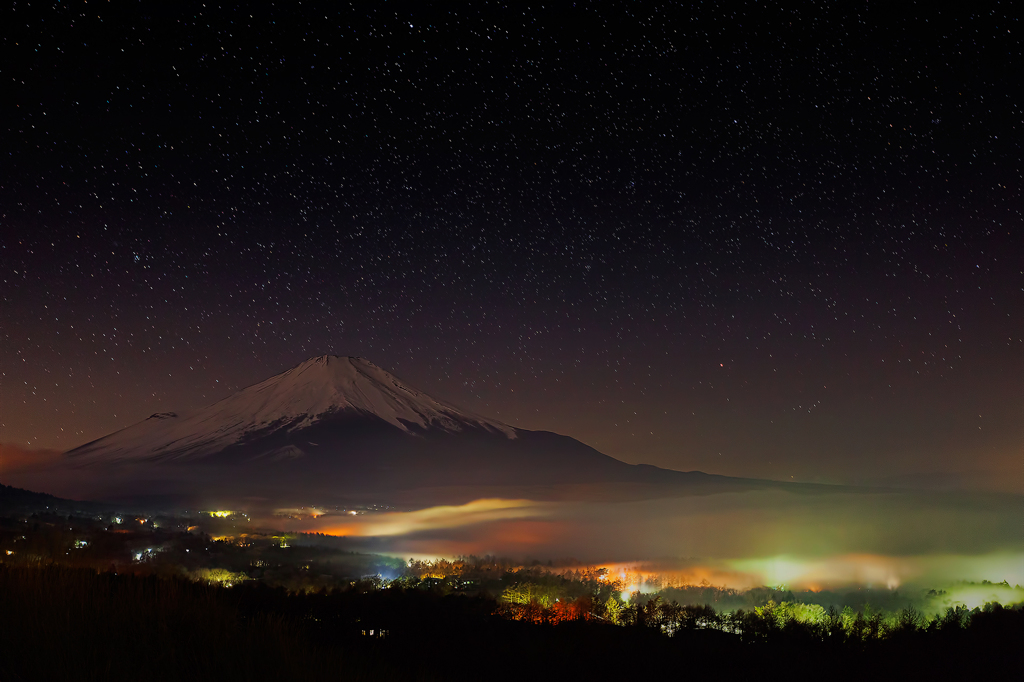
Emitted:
pixel 336 426
pixel 322 390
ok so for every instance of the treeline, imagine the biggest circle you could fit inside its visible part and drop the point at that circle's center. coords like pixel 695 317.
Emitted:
pixel 64 623
pixel 61 623
pixel 770 621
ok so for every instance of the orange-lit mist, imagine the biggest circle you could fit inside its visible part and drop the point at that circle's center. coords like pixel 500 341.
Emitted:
pixel 431 518
pixel 818 573
pixel 733 540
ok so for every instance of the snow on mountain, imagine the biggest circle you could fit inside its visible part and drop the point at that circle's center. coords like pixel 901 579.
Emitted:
pixel 320 389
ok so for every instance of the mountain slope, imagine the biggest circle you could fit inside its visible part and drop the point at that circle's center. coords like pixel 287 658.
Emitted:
pixel 334 426
pixel 328 390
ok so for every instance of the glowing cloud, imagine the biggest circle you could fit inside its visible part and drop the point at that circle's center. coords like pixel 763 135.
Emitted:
pixel 433 518
pixel 879 571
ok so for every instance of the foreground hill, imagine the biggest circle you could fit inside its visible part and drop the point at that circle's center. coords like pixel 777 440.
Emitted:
pixel 19 501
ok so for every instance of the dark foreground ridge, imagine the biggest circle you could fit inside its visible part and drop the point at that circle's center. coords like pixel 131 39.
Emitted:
pixel 61 623
pixel 14 500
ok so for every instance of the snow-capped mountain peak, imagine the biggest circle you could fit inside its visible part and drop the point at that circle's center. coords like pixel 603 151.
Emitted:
pixel 329 383
pixel 320 389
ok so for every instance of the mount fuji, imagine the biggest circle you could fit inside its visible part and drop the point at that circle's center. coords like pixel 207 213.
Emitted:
pixel 337 426
pixel 328 396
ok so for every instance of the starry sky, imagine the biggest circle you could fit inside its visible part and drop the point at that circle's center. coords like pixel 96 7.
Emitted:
pixel 744 239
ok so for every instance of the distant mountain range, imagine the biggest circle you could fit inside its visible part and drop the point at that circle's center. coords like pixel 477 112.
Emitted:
pixel 342 425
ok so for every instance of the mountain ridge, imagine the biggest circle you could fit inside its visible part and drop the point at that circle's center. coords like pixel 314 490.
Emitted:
pixel 322 388
pixel 334 427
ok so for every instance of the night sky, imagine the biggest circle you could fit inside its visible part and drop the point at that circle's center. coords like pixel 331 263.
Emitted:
pixel 747 240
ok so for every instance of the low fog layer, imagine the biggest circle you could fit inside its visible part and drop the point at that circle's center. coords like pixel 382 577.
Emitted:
pixel 813 534
pixel 740 539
